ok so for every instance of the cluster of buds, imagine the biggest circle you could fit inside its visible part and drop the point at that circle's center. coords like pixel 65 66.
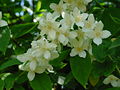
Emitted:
pixel 68 25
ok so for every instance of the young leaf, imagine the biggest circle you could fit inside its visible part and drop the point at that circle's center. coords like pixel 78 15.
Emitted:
pixel 41 82
pixel 81 68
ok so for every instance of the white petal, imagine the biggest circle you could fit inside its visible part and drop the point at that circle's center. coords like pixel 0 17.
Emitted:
pixel 82 54
pixel 47 55
pixel 118 83
pixel 106 34
pixel 63 39
pixel 114 83
pixel 107 81
pixel 84 15
pixel 99 25
pixel 97 41
pixel 3 23
pixel 50 69
pixel 31 75
pixel 61 80
pixel 33 65
pixel 90 50
pixel 53 6
pixel 80 24
pixel 40 70
pixel 52 34
pixel 87 1
pixel 63 14
pixel 49 16
pixel 91 18
pixel 73 35
pixel 22 57
pixel 73 52
pixel 56 15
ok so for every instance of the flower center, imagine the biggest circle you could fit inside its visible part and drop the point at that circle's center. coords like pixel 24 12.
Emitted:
pixel 59 9
pixel 88 24
pixel 98 34
pixel 79 49
pixel 78 18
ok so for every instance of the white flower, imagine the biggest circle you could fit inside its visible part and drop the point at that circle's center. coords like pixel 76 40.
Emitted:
pixel 36 59
pixel 65 35
pixel 80 4
pixel 87 1
pixel 98 33
pixel 89 24
pixel 79 48
pixel 42 48
pixel 49 26
pixel 69 1
pixel 67 21
pixel 2 22
pixel 81 35
pixel 35 67
pixel 115 82
pixel 58 9
pixel 79 18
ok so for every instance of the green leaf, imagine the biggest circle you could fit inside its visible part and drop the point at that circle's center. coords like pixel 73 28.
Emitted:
pixel 41 82
pixel 9 63
pixel 18 87
pixel 46 3
pixel 101 69
pixel 81 68
pixel 22 29
pixel 112 26
pixel 1 84
pixel 58 61
pixel 115 43
pixel 68 78
pixel 9 81
pixel 113 88
pixel 101 51
pixel 93 80
pixel 21 78
pixel 4 38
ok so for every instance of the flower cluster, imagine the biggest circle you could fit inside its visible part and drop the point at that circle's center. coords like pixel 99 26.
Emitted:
pixel 36 59
pixel 69 26
pixel 113 80
pixel 2 22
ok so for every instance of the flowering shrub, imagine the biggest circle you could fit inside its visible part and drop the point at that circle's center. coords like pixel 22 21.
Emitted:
pixel 67 46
